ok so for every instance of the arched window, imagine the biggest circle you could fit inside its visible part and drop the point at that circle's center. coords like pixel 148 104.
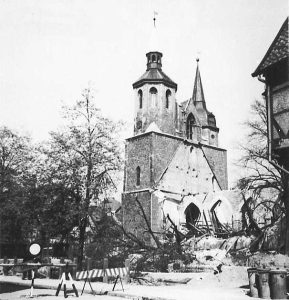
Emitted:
pixel 168 96
pixel 138 176
pixel 153 96
pixel 140 98
pixel 154 59
pixel 211 120
pixel 190 124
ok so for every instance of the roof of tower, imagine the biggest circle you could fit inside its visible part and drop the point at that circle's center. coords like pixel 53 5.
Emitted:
pixel 198 92
pixel 277 51
pixel 205 117
pixel 154 73
pixel 155 76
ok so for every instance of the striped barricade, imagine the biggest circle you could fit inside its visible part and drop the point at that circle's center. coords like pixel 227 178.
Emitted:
pixel 89 274
pixel 114 272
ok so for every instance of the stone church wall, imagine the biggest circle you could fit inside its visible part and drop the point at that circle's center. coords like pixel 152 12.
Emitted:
pixel 164 148
pixel 217 159
pixel 138 153
pixel 152 152
pixel 133 220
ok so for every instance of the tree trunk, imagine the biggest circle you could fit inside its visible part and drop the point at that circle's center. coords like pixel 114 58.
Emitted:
pixel 82 229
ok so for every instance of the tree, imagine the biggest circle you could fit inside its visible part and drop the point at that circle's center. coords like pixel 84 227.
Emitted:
pixel 15 159
pixel 262 175
pixel 80 154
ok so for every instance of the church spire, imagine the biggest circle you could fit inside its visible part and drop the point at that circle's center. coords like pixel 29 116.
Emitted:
pixel 198 92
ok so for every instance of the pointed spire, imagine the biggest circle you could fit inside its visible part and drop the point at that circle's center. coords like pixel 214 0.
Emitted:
pixel 198 93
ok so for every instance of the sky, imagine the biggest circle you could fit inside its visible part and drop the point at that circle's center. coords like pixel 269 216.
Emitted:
pixel 51 50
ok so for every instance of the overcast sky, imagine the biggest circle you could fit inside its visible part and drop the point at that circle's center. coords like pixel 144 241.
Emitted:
pixel 51 49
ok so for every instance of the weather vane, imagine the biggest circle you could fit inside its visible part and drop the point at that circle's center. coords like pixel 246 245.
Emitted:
pixel 155 14
pixel 198 56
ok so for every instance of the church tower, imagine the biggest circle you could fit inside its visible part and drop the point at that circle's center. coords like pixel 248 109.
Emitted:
pixel 173 152
pixel 197 123
pixel 155 96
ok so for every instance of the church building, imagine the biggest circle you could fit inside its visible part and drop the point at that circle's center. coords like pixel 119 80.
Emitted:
pixel 173 163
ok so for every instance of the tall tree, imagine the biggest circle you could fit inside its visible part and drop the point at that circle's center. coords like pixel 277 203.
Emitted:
pixel 81 153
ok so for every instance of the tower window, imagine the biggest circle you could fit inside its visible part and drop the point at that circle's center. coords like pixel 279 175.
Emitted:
pixel 138 176
pixel 168 96
pixel 153 96
pixel 139 124
pixel 154 59
pixel 190 124
pixel 140 98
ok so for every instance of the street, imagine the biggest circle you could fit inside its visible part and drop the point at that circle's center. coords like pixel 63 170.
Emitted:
pixel 49 294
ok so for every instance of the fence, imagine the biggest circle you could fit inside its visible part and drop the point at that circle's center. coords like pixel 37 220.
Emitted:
pixel 105 272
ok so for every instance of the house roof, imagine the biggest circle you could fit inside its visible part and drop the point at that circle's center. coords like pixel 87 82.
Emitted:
pixel 155 76
pixel 277 51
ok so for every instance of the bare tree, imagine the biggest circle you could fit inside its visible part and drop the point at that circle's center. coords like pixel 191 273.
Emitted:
pixel 262 175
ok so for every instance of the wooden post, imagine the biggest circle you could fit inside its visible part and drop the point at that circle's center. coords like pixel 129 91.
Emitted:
pixel 88 264
pixel 61 269
pixel 105 266
pixel 5 269
pixel 13 269
pixel 74 268
pixel 49 268
pixel 127 265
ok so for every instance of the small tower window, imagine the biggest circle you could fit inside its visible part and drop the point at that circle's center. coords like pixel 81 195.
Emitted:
pixel 168 96
pixel 154 59
pixel 190 124
pixel 139 124
pixel 138 176
pixel 153 96
pixel 140 99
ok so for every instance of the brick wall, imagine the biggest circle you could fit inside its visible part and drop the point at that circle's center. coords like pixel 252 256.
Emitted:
pixel 138 153
pixel 156 214
pixel 133 220
pixel 152 152
pixel 164 148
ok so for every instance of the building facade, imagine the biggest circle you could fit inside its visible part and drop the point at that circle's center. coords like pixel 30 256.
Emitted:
pixel 173 161
pixel 274 72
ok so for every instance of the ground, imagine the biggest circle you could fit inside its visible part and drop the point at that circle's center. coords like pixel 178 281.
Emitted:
pixel 231 284
pixel 48 295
